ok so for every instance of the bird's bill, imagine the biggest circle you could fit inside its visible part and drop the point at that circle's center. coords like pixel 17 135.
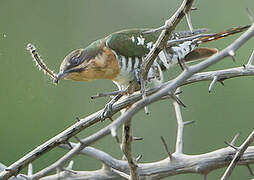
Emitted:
pixel 60 75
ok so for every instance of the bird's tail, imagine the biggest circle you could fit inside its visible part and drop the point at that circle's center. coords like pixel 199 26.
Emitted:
pixel 222 34
pixel 189 50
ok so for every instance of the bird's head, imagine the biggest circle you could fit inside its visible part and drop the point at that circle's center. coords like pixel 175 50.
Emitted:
pixel 88 64
pixel 73 64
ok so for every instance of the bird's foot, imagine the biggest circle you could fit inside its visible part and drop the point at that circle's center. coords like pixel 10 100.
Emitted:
pixel 107 111
pixel 137 75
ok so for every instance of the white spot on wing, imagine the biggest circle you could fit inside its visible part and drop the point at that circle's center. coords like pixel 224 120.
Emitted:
pixel 141 41
pixel 133 39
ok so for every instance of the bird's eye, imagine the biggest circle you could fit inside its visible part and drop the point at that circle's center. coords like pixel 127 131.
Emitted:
pixel 74 60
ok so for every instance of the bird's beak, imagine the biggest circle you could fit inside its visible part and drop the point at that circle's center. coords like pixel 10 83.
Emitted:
pixel 59 76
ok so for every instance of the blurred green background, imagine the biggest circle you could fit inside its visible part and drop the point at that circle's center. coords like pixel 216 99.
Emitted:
pixel 32 109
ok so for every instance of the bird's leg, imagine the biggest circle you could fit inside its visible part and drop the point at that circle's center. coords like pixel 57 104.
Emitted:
pixel 137 75
pixel 107 112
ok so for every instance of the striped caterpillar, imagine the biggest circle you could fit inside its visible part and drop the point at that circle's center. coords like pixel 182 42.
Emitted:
pixel 39 62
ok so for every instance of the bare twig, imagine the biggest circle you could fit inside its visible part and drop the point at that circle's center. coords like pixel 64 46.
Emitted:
pixel 250 170
pixel 108 94
pixel 234 139
pixel 250 15
pixel 215 78
pixel 200 164
pixel 166 147
pixel 127 150
pixel 122 174
pixel 180 125
pixel 164 36
pixel 249 64
pixel 182 79
pixel 162 42
pixel 238 155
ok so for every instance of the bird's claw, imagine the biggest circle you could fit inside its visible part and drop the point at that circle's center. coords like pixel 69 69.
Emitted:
pixel 107 111
pixel 137 75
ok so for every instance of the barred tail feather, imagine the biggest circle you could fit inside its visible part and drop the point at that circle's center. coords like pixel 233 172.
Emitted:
pixel 223 34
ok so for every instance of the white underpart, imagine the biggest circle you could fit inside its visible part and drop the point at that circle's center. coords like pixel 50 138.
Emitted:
pixel 136 63
pixel 179 52
pixel 125 75
pixel 155 74
pixel 129 65
pixel 124 61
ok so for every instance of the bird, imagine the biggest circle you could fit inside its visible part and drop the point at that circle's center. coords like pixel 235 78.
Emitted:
pixel 118 57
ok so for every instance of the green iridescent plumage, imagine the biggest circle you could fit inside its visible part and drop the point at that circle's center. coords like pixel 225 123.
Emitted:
pixel 131 43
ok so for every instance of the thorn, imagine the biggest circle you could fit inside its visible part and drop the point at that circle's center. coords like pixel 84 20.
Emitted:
pixel 180 64
pixel 250 170
pixel 30 169
pixel 188 122
pixel 23 176
pixel 69 144
pixel 194 8
pixel 70 170
pixel 188 18
pixel 110 118
pixel 215 78
pixel 250 14
pixel 122 174
pixel 137 138
pixel 166 147
pixel 232 54
pixel 58 171
pixel 154 30
pixel 178 92
pixel 234 139
pixel 138 158
pixel 77 139
pixel 230 145
pixel 78 119
pixel 222 82
pixel 114 134
pixel 11 170
pixel 147 112
pixel 107 94
pixel 205 176
pixel 178 100
pixel 70 165
pixel 250 59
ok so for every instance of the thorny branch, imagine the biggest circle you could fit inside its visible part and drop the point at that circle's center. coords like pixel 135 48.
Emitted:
pixel 145 169
pixel 127 149
pixel 95 117
pixel 92 119
pixel 239 152
pixel 161 43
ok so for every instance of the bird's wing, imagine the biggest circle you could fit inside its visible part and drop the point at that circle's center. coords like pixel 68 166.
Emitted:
pixel 131 43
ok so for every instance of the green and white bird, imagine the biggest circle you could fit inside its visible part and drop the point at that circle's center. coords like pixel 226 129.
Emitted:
pixel 119 55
